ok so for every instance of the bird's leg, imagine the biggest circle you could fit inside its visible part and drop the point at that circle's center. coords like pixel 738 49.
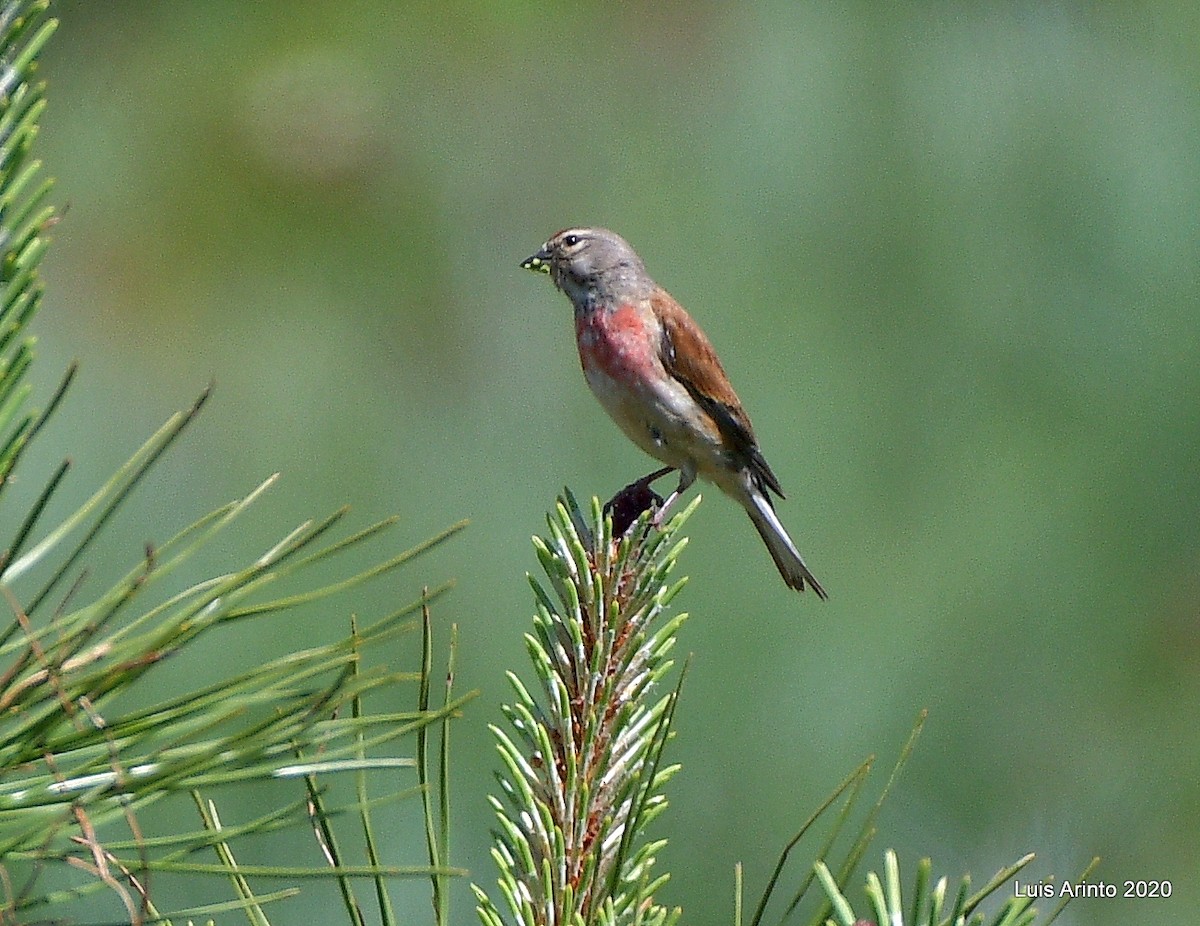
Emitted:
pixel 686 478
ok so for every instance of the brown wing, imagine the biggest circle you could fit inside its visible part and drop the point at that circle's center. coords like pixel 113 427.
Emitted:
pixel 688 355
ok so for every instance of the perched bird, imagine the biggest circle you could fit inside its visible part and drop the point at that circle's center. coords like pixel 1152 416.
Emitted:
pixel 656 373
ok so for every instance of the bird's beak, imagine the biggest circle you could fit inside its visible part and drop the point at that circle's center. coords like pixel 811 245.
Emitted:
pixel 539 262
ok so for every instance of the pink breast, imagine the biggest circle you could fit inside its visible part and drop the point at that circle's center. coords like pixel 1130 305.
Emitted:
pixel 616 343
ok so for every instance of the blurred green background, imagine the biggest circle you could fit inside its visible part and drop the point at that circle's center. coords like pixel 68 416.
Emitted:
pixel 949 254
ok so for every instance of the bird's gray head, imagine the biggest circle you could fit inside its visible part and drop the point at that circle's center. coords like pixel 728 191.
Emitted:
pixel 593 266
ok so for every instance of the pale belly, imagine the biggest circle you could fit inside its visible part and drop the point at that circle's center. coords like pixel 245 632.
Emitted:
pixel 663 419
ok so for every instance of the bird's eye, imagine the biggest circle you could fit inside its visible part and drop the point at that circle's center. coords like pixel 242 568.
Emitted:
pixel 570 241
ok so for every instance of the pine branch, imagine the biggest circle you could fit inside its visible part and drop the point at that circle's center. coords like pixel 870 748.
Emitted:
pixel 79 768
pixel 583 775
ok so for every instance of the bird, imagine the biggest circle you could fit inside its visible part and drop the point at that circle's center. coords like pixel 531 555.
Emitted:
pixel 655 372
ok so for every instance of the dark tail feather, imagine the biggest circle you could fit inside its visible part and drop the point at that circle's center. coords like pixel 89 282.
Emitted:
pixel 787 558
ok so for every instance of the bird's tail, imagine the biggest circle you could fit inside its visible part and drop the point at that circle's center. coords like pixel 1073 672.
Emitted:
pixel 787 558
